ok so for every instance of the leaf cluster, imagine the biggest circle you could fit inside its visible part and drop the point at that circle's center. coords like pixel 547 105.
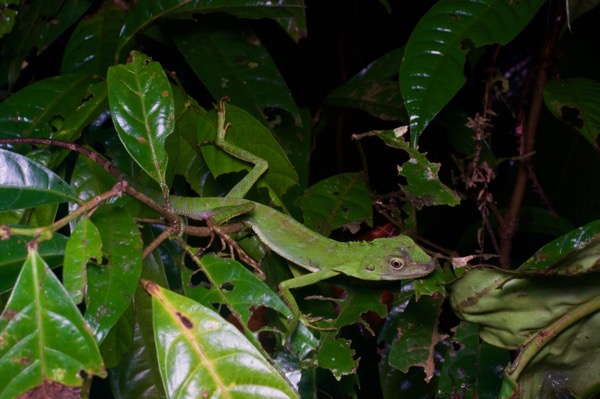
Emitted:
pixel 473 137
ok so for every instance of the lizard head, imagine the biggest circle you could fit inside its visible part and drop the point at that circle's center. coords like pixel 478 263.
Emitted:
pixel 395 258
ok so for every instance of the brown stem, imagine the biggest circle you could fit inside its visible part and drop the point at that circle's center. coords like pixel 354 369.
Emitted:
pixel 510 224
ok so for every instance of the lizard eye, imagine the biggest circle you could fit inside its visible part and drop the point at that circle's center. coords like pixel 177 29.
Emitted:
pixel 397 263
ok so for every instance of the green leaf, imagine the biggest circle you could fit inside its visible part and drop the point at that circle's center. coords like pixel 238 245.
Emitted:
pixel 576 102
pixel 41 108
pixel 340 200
pixel 472 369
pixel 83 245
pixel 235 286
pixel 38 25
pixel 573 253
pixel 424 188
pixel 148 12
pixel 200 354
pixel 246 72
pixel 7 17
pixel 88 111
pixel 14 254
pixel 248 133
pixel 93 43
pixel 531 300
pixel 337 356
pixel 111 286
pixel 432 69
pixel 137 375
pixel 375 89
pixel 142 109
pixel 44 341
pixel 26 184
pixel 417 336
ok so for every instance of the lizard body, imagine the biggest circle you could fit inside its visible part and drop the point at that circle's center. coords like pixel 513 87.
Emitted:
pixel 394 258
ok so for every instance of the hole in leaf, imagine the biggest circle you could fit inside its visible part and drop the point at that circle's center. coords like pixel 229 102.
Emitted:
pixel 571 115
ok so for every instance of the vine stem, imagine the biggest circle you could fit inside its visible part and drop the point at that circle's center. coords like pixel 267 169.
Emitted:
pixel 510 222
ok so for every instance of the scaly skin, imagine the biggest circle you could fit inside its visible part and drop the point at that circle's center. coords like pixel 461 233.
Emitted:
pixel 396 258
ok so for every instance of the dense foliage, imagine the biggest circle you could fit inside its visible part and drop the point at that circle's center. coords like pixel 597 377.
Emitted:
pixel 472 126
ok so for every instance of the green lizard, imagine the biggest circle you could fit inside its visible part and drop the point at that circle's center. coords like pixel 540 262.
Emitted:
pixel 395 258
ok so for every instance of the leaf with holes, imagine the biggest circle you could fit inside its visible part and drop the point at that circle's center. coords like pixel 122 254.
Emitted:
pixel 44 341
pixel 576 102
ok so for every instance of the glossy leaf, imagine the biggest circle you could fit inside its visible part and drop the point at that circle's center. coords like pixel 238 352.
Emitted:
pixel 40 109
pixel 246 72
pixel 375 89
pixel 424 188
pixel 83 245
pixel 142 109
pixel 432 69
pixel 26 184
pixel 148 12
pixel 248 133
pixel 44 340
pixel 341 200
pixel 112 285
pixel 93 43
pixel 200 354
pixel 576 102
pixel 573 253
pixel 14 253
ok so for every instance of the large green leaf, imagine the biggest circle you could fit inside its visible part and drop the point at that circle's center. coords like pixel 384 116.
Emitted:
pixel 93 43
pixel 40 109
pixel 143 111
pixel 26 184
pixel 550 309
pixel 431 72
pixel 148 12
pixel 44 341
pixel 576 102
pixel 14 254
pixel 341 200
pixel 202 355
pixel 232 62
pixel 112 285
